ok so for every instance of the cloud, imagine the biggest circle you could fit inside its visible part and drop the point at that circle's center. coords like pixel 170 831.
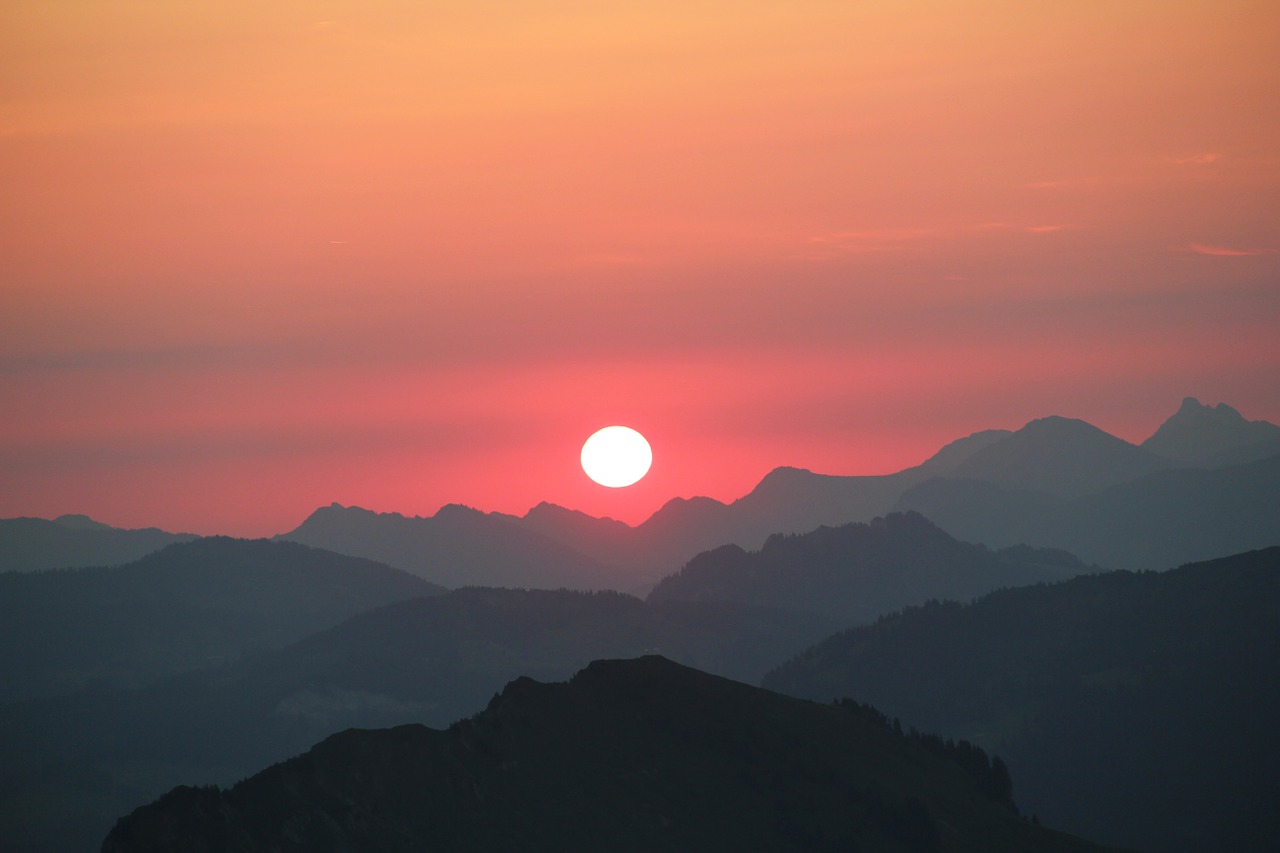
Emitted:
pixel 870 238
pixel 1045 229
pixel 1197 159
pixel 1223 251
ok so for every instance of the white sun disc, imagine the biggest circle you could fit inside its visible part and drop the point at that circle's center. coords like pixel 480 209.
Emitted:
pixel 616 456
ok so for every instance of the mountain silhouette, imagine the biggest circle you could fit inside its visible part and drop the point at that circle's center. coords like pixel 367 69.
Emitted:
pixel 1061 456
pixel 1213 436
pixel 70 541
pixel 187 606
pixel 458 546
pixel 432 660
pixel 857 572
pixel 1137 709
pixel 1163 519
pixel 1017 475
pixel 637 754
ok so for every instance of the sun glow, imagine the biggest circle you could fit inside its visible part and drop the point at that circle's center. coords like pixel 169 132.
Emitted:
pixel 616 456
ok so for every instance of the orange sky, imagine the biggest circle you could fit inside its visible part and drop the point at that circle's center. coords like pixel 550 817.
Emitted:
pixel 256 257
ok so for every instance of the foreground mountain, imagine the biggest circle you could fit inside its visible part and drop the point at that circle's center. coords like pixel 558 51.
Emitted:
pixel 857 572
pixel 1160 520
pixel 188 606
pixel 628 755
pixel 1137 709
pixel 32 544
pixel 87 758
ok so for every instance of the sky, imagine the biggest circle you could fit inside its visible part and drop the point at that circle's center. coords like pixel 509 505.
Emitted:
pixel 259 257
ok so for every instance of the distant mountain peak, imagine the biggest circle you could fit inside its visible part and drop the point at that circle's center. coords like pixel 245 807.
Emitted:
pixel 1213 435
pixel 1058 424
pixel 77 521
pixel 1192 406
pixel 456 510
pixel 545 510
pixel 786 473
pixel 1058 455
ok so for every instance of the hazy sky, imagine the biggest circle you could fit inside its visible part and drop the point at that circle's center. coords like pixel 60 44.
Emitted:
pixel 256 257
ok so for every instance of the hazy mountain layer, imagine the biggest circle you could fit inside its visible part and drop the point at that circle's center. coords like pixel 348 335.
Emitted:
pixel 69 541
pixel 188 606
pixel 1061 456
pixel 858 572
pixel 629 755
pixel 1154 522
pixel 1021 474
pixel 1138 709
pixel 88 758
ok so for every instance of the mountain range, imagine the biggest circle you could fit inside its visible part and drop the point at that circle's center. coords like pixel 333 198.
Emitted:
pixel 1137 709
pixel 639 754
pixel 1056 482
pixel 208 659
pixel 1053 483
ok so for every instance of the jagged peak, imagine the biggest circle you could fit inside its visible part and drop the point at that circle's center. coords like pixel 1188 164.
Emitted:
pixel 1191 403
pixel 1193 408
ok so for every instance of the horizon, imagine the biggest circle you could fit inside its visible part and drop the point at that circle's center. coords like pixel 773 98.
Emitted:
pixel 631 523
pixel 261 259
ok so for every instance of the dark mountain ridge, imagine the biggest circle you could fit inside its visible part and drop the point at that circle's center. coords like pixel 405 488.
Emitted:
pixel 628 755
pixel 858 572
pixel 1137 709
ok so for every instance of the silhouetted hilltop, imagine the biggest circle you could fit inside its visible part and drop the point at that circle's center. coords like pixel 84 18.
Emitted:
pixel 187 606
pixel 857 572
pixel 70 541
pixel 88 758
pixel 1160 520
pixel 628 755
pixel 1213 436
pixel 458 546
pixel 1138 709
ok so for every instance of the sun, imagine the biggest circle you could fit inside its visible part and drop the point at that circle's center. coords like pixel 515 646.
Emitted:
pixel 616 456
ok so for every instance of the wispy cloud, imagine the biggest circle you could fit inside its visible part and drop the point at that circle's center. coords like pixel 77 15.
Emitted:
pixel 1223 251
pixel 863 241
pixel 1045 229
pixel 870 239
pixel 1197 159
